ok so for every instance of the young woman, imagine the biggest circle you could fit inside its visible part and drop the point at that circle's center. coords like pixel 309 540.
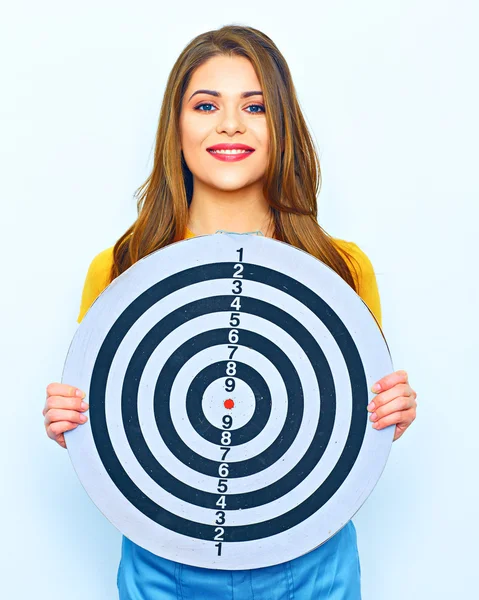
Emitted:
pixel 233 152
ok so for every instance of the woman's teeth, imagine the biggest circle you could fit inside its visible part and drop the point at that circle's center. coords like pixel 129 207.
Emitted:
pixel 235 151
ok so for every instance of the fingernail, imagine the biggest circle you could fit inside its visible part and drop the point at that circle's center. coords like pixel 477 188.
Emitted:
pixel 376 387
pixel 83 417
pixel 84 405
pixel 80 394
pixel 371 406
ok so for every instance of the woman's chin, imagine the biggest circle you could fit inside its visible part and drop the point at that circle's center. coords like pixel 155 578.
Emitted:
pixel 230 184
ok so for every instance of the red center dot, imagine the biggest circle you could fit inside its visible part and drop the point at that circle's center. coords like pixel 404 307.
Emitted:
pixel 229 403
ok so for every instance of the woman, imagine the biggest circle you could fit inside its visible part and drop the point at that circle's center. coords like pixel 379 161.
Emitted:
pixel 233 152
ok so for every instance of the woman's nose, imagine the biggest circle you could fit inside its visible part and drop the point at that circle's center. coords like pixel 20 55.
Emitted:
pixel 231 122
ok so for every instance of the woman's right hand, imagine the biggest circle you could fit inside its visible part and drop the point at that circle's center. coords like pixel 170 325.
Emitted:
pixel 63 410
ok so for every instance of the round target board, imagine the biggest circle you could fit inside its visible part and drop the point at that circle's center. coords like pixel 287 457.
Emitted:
pixel 228 377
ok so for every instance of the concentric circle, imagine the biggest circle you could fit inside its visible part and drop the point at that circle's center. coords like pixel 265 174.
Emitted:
pixel 196 393
pixel 228 378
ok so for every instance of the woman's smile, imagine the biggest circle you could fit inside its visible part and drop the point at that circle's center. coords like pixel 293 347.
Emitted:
pixel 230 152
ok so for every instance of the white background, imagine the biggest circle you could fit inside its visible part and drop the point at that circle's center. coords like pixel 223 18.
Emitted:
pixel 389 90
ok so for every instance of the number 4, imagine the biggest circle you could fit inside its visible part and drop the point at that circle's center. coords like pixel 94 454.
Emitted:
pixel 221 501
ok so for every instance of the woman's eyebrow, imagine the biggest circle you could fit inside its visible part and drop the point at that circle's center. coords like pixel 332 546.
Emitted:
pixel 218 95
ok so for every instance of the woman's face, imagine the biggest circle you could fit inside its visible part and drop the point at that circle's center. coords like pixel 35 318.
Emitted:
pixel 221 115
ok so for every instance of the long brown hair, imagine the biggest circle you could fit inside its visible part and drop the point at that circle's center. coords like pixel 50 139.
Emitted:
pixel 292 179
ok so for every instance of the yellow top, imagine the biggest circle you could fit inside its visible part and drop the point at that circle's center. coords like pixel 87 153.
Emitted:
pixel 98 274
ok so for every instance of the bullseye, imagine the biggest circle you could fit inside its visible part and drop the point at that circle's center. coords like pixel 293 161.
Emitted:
pixel 191 332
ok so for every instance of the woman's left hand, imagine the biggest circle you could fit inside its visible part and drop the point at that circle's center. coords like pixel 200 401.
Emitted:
pixel 395 403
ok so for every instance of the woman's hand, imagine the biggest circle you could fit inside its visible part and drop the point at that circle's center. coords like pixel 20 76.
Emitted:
pixel 63 410
pixel 395 403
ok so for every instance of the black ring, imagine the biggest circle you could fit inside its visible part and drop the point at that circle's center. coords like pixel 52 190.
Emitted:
pixel 200 422
pixel 162 394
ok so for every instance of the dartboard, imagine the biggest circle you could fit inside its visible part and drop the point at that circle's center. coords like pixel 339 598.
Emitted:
pixel 228 377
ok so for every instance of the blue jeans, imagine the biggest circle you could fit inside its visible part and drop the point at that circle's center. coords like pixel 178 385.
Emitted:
pixel 330 572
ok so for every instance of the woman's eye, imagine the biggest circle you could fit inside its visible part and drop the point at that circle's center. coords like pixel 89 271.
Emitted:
pixel 208 104
pixel 256 106
pixel 203 104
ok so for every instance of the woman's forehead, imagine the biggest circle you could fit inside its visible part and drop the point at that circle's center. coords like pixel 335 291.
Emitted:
pixel 231 75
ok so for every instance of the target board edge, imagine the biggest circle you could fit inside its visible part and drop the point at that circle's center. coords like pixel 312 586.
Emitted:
pixel 94 334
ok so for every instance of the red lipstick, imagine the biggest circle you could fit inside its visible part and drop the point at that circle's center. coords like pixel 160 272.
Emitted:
pixel 230 152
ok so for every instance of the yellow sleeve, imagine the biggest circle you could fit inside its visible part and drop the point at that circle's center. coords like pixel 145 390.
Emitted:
pixel 97 279
pixel 366 279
